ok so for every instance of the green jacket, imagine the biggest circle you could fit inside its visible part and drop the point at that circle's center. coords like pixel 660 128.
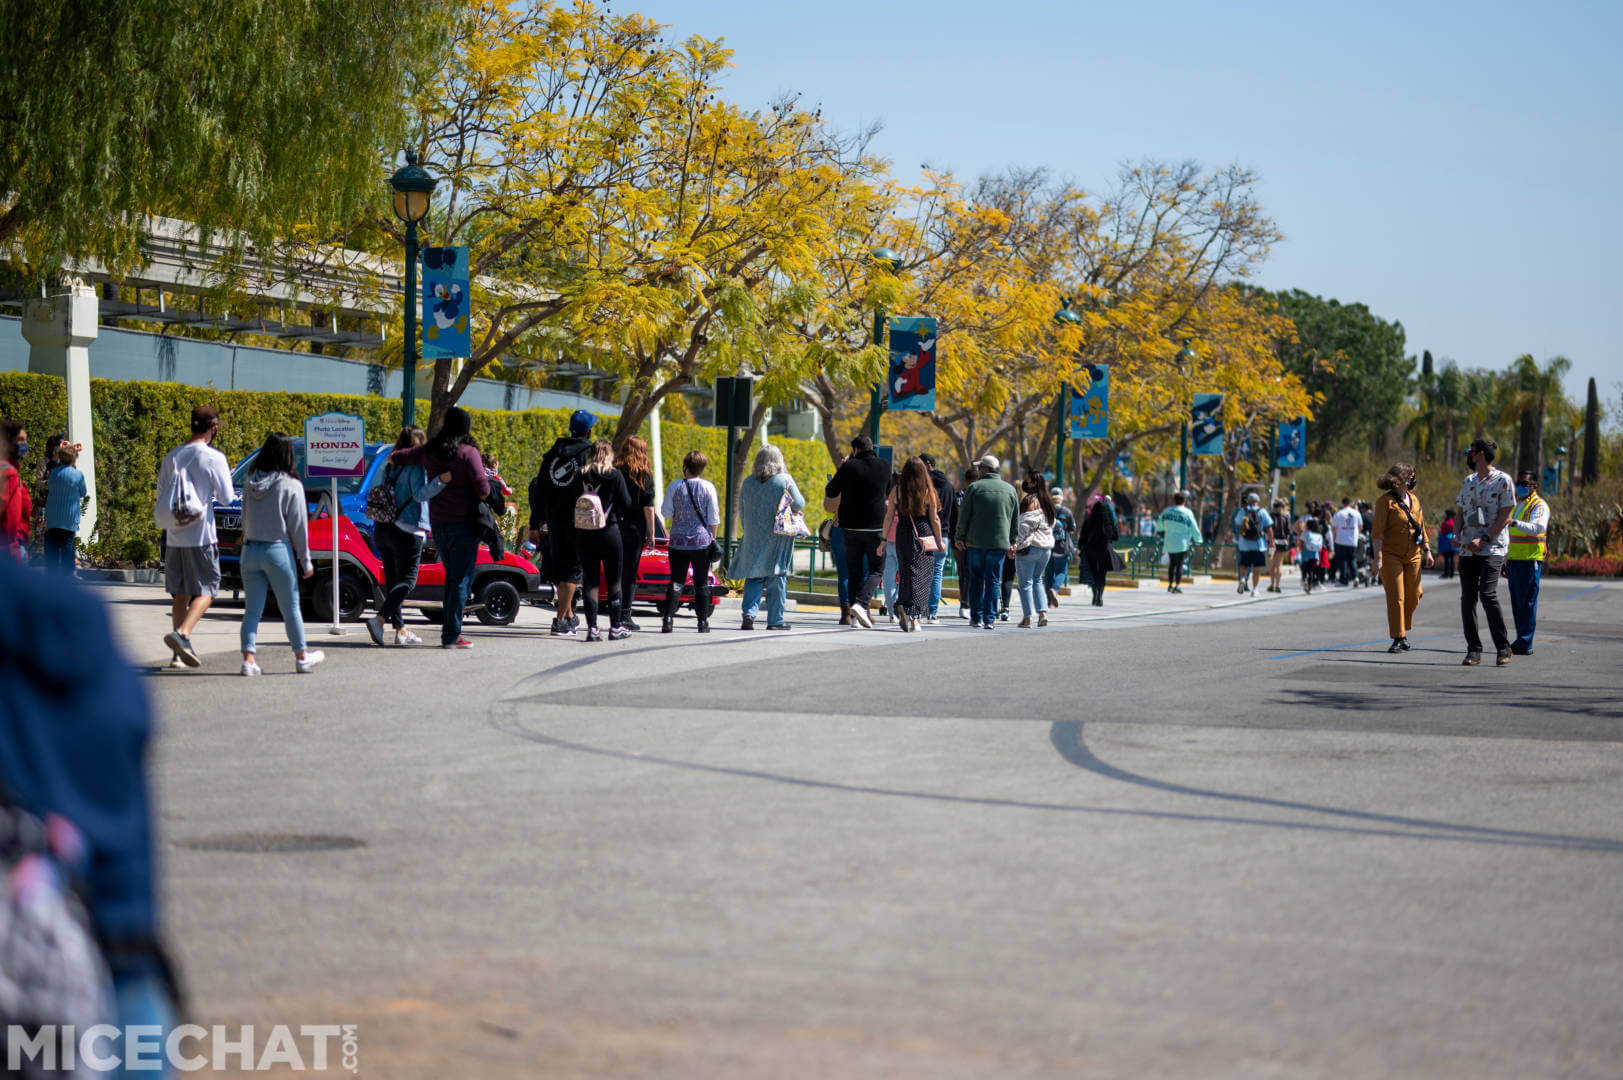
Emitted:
pixel 988 515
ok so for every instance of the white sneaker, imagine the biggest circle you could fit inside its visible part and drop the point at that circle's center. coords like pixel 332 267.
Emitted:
pixel 931 621
pixel 406 637
pixel 175 662
pixel 311 659
pixel 249 668
pixel 1253 590
pixel 860 616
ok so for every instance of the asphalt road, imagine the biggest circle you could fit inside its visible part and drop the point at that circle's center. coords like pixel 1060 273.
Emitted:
pixel 1179 837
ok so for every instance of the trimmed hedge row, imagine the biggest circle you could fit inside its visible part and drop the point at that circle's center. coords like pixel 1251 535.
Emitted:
pixel 137 423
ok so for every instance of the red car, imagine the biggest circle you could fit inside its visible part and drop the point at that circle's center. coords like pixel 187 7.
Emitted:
pixel 654 576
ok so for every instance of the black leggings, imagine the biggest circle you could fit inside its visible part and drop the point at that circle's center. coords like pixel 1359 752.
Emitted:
pixel 1175 567
pixel 601 557
pixel 633 541
pixel 681 560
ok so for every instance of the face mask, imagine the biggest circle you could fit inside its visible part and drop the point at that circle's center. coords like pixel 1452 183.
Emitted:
pixel 1409 483
pixel 20 449
pixel 1522 491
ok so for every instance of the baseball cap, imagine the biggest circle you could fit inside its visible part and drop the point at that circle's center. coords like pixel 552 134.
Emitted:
pixel 989 463
pixel 580 422
pixel 1056 492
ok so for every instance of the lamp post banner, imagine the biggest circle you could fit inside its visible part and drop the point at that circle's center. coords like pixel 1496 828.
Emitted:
pixel 1206 425
pixel 1090 408
pixel 1552 478
pixel 334 445
pixel 1290 444
pixel 911 382
pixel 445 303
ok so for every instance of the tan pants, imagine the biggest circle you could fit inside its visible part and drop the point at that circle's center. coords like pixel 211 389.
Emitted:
pixel 1402 580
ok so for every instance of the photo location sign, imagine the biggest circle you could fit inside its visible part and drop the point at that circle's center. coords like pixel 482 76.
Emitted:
pixel 1206 425
pixel 445 303
pixel 1090 409
pixel 334 446
pixel 1290 444
pixel 911 381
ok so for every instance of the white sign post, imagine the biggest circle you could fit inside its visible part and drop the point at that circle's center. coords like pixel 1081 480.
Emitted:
pixel 334 446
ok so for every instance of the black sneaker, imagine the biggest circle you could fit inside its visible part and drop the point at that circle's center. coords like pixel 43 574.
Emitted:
pixel 557 627
pixel 666 626
pixel 629 623
pixel 1404 643
pixel 618 633
pixel 1472 659
pixel 1503 658
pixel 594 635
pixel 1396 646
pixel 746 623
pixel 182 648
pixel 778 626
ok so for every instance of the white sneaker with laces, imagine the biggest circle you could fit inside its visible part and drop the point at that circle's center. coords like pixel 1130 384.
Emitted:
pixel 311 659
pixel 406 637
pixel 249 668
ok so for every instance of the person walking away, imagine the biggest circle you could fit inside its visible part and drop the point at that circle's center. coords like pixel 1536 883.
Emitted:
pixel 1529 525
pixel 194 476
pixel 946 498
pixel 1033 547
pixel 452 512
pixel 986 527
pixel 400 542
pixel 1447 541
pixel 694 511
pixel 553 494
pixel 604 502
pixel 16 505
pixel 1345 527
pixel 64 501
pixel 1180 532
pixel 960 555
pixel 637 524
pixel 861 483
pixel 275 551
pixel 1251 525
pixel 1279 543
pixel 915 520
pixel 1487 499
pixel 836 555
pixel 1054 576
pixel 765 557
pixel 1399 546
pixel 1312 549
pixel 1099 531
pixel 888 574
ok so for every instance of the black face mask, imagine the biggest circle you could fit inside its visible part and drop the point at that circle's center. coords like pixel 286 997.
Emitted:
pixel 1409 483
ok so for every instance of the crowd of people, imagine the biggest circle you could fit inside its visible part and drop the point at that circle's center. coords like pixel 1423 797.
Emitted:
pixel 890 531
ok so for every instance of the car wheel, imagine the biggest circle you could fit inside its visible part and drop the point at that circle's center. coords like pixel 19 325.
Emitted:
pixel 500 599
pixel 434 615
pixel 352 597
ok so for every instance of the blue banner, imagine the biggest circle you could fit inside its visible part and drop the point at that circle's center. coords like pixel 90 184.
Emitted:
pixel 912 364
pixel 1206 426
pixel 1290 444
pixel 1552 479
pixel 1090 409
pixel 445 303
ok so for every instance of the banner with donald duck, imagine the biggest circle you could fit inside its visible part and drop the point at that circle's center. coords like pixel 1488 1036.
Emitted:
pixel 911 381
pixel 445 303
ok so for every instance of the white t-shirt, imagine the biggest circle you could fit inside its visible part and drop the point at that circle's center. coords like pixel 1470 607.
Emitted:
pixel 210 475
pixel 1345 525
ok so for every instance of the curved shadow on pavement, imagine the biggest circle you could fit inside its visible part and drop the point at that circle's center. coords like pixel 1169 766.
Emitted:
pixel 503 716
pixel 1066 737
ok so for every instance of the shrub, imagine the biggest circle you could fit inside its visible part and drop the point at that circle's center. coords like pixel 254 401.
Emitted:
pixel 1592 566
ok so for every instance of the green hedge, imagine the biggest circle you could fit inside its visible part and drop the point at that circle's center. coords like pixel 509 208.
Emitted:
pixel 137 423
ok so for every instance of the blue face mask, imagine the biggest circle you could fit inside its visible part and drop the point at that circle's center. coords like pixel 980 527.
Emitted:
pixel 20 449
pixel 1522 491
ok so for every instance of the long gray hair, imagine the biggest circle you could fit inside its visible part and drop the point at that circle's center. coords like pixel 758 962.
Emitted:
pixel 768 463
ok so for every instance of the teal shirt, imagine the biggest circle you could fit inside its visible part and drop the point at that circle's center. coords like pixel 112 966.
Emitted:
pixel 1182 531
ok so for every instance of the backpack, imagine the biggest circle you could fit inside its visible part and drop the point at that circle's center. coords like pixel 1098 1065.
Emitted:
pixel 1249 528
pixel 381 506
pixel 589 512
pixel 181 500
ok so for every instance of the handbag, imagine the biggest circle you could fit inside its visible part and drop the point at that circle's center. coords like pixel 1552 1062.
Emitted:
pixel 788 521
pixel 927 542
pixel 1118 561
pixel 714 550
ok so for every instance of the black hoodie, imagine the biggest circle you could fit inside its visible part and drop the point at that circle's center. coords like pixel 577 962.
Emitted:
pixel 557 483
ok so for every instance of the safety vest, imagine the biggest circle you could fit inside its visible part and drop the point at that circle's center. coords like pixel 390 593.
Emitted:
pixel 1529 548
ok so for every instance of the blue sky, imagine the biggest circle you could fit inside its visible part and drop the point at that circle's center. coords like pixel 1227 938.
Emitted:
pixel 1452 165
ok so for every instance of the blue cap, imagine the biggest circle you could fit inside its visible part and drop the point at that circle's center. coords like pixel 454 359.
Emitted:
pixel 581 422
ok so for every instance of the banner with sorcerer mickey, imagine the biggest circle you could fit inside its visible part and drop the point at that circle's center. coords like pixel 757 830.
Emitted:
pixel 911 381
pixel 445 303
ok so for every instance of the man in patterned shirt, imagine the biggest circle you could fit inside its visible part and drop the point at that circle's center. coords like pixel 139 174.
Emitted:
pixel 1487 498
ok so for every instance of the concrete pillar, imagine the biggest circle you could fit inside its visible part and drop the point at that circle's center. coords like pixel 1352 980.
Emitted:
pixel 59 330
pixel 656 451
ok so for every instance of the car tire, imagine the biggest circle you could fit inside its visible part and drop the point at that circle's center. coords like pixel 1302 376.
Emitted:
pixel 435 615
pixel 353 596
pixel 500 600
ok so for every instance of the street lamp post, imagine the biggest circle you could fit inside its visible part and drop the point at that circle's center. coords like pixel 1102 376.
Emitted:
pixel 876 402
pixel 413 191
pixel 1185 355
pixel 1062 430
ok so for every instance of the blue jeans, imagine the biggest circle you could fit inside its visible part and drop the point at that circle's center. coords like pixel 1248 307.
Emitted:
pixel 1524 579
pixel 459 551
pixel 268 564
pixel 59 549
pixel 892 583
pixel 1054 576
pixel 985 581
pixel 1029 570
pixel 836 552
pixel 935 582
pixel 775 589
